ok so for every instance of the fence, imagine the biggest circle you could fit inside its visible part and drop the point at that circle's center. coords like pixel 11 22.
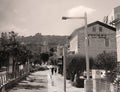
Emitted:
pixel 6 77
pixel 3 78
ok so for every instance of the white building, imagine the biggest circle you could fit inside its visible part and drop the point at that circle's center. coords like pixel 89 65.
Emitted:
pixel 101 37
pixel 45 47
pixel 116 22
pixel 59 51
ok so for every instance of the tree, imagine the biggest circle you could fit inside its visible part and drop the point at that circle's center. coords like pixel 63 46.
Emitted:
pixel 44 57
pixel 78 65
pixel 4 40
pixel 107 62
pixel 4 54
pixel 37 59
pixel 52 50
pixel 12 51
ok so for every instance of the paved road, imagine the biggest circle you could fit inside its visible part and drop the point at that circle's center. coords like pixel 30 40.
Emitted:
pixel 35 82
pixel 43 81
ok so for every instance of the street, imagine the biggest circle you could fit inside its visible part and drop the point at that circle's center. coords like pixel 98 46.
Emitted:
pixel 35 82
pixel 43 81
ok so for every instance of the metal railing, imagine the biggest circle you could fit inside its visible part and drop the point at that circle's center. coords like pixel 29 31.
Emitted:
pixel 3 78
pixel 6 77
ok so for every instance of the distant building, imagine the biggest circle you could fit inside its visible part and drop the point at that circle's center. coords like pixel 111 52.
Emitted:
pixel 109 18
pixel 101 37
pixel 59 51
pixel 44 47
pixel 112 16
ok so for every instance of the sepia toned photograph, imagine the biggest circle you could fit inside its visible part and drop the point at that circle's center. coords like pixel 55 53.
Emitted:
pixel 59 46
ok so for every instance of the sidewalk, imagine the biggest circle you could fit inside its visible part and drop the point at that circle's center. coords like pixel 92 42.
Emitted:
pixel 43 81
pixel 35 82
pixel 56 84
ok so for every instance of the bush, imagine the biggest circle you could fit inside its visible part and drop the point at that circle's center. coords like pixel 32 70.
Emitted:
pixel 76 65
pixel 107 62
pixel 68 69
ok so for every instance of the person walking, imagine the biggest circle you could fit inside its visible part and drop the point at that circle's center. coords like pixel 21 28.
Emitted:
pixel 53 63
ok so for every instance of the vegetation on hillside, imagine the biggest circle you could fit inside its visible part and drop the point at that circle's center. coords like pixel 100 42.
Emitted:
pixel 35 42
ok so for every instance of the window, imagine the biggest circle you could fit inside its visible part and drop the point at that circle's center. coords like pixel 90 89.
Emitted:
pixel 100 29
pixel 107 42
pixel 94 29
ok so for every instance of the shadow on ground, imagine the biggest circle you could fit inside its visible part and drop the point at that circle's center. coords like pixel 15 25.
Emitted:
pixel 32 82
pixel 29 87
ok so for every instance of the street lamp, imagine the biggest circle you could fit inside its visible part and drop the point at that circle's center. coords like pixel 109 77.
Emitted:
pixel 86 40
pixel 64 66
pixel 78 11
pixel 65 18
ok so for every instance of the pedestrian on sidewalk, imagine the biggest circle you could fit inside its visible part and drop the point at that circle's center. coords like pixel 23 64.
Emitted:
pixel 53 60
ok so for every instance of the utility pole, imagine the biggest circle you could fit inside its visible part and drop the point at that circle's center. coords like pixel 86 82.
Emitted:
pixel 86 47
pixel 64 67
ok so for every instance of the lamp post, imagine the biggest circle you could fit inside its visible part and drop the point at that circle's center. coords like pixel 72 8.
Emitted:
pixel 86 40
pixel 64 66
pixel 88 81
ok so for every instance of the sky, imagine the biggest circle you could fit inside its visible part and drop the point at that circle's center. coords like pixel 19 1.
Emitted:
pixel 28 17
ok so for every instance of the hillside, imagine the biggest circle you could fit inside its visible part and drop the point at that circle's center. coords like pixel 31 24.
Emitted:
pixel 35 42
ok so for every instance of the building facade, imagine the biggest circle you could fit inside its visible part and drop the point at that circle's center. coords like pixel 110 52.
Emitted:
pixel 45 47
pixel 59 51
pixel 116 22
pixel 101 37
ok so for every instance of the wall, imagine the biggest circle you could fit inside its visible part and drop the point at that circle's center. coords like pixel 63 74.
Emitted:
pixel 118 41
pixel 74 44
pixel 96 43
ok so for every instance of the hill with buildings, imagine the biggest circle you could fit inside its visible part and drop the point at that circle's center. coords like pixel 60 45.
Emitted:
pixel 36 42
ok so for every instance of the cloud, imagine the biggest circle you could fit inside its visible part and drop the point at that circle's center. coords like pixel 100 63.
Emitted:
pixel 79 11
